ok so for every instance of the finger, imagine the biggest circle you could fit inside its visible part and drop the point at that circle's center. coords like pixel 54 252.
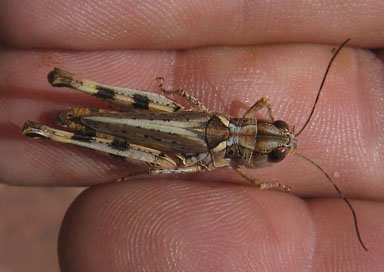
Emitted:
pixel 336 237
pixel 185 24
pixel 343 137
pixel 189 226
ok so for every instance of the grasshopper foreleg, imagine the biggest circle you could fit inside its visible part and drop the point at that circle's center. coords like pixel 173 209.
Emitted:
pixel 262 185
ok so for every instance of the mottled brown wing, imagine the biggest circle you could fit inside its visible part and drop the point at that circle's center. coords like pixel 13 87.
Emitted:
pixel 181 132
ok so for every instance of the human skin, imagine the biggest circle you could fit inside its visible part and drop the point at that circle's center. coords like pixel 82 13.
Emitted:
pixel 226 53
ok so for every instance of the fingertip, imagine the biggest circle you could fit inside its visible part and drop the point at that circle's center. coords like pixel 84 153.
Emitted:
pixel 168 225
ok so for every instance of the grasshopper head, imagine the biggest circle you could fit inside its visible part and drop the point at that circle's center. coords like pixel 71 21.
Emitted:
pixel 278 154
pixel 273 142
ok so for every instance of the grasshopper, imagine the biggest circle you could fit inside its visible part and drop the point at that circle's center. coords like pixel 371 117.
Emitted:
pixel 156 131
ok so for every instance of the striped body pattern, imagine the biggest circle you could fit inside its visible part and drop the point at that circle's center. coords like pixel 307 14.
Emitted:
pixel 166 137
pixel 156 131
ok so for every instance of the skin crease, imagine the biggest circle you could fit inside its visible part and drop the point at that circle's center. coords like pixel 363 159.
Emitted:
pixel 205 222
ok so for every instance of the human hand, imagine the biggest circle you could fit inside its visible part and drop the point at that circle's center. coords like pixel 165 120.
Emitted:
pixel 203 223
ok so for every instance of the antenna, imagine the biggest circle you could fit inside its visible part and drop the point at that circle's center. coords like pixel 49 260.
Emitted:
pixel 341 195
pixel 321 86
pixel 318 166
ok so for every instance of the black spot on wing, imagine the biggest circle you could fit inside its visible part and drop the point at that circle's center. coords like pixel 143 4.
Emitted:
pixel 176 108
pixel 140 102
pixel 120 145
pixel 104 93
pixel 82 138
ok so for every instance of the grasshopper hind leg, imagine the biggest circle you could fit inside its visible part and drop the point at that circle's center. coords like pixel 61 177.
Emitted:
pixel 125 98
pixel 181 92
pixel 262 103
pixel 112 146
pixel 177 170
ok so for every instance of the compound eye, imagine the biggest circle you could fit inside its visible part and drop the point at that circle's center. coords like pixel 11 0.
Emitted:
pixel 278 154
pixel 281 124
